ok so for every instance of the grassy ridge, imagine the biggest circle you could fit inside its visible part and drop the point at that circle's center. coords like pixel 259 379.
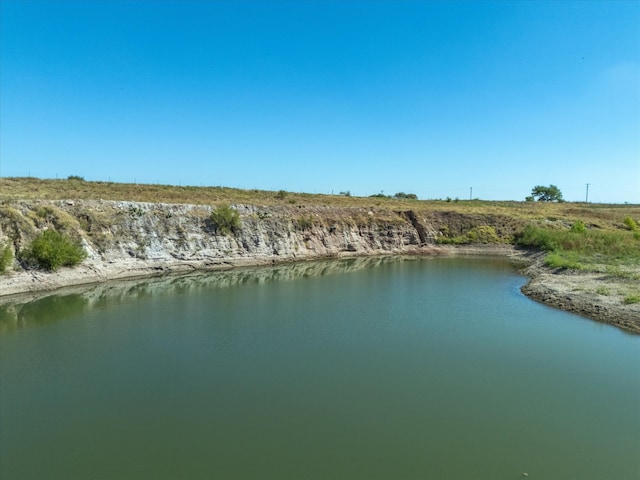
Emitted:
pixel 605 239
pixel 30 188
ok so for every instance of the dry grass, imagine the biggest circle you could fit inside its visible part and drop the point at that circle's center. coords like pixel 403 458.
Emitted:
pixel 599 216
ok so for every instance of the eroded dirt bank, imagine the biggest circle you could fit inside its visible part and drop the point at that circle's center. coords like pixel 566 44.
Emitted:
pixel 133 239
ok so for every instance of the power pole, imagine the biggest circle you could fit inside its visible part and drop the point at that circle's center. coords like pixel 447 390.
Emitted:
pixel 470 193
pixel 586 200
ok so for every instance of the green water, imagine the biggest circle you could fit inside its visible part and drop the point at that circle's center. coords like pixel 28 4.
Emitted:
pixel 353 369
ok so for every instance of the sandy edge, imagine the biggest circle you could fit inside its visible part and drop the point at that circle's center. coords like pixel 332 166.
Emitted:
pixel 569 291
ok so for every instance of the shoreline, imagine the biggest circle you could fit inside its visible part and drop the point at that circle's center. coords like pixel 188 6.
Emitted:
pixel 575 292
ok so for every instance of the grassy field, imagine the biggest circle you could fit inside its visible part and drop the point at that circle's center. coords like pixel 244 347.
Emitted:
pixel 593 215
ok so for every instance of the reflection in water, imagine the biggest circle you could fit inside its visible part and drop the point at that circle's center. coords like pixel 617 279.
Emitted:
pixel 43 310
pixel 434 368
pixel 19 311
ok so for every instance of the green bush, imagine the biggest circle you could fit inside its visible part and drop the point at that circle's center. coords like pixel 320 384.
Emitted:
pixel 6 258
pixel 226 219
pixel 51 250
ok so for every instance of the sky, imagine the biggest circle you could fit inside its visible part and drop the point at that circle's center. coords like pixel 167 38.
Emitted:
pixel 441 99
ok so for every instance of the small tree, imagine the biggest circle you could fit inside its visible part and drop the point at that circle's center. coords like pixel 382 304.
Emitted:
pixel 226 219
pixel 546 194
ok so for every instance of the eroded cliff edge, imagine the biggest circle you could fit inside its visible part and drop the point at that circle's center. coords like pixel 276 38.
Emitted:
pixel 130 239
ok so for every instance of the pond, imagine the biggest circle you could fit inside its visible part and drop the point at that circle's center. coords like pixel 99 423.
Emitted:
pixel 379 368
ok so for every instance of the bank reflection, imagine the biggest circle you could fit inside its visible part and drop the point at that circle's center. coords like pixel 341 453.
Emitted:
pixel 20 311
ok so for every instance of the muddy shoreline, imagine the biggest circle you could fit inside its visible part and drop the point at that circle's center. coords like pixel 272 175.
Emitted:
pixel 579 293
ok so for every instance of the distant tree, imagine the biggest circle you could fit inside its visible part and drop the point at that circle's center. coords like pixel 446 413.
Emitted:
pixel 406 196
pixel 547 194
pixel 346 193
pixel 378 195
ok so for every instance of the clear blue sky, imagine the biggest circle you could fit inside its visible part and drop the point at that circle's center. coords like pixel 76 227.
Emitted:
pixel 425 97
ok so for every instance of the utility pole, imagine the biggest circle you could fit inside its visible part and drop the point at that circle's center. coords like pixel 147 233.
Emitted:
pixel 586 200
pixel 470 193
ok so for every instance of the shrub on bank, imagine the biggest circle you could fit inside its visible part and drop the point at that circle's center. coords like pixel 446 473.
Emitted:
pixel 226 219
pixel 51 250
pixel 6 258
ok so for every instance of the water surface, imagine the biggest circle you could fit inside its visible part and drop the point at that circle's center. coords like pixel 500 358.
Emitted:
pixel 368 368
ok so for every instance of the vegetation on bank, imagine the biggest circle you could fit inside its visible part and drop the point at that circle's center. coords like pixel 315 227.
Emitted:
pixel 51 250
pixel 6 258
pixel 226 219
pixel 575 235
pixel 484 234
pixel 584 249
